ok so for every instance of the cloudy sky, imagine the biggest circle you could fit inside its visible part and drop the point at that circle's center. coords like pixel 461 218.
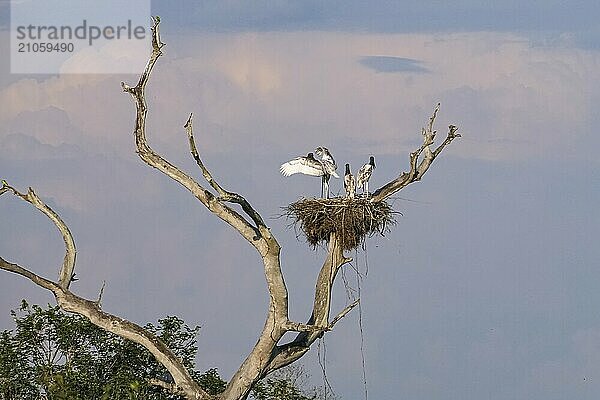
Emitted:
pixel 487 288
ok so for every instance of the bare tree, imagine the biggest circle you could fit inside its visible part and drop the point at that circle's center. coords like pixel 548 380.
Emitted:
pixel 268 354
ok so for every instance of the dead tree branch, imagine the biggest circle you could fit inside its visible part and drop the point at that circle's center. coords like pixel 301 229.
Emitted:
pixel 418 165
pixel 251 233
pixel 286 354
pixel 224 195
pixel 91 309
pixel 258 363
pixel 66 273
pixel 253 230
pixel 171 387
pixel 343 313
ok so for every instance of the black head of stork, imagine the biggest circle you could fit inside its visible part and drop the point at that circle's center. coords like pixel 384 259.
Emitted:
pixel 349 183
pixel 309 165
pixel 364 174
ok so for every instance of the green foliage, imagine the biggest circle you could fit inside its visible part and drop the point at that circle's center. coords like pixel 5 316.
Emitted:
pixel 57 356
pixel 63 356
pixel 287 384
pixel 14 371
pixel 212 382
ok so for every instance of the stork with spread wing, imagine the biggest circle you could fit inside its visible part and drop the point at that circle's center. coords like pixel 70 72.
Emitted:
pixel 309 165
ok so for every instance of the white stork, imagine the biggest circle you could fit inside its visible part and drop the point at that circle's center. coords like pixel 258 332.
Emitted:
pixel 309 165
pixel 364 174
pixel 349 183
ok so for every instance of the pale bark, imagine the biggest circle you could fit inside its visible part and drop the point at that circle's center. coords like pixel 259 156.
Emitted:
pixel 418 165
pixel 268 354
pixel 259 362
pixel 286 354
pixel 91 309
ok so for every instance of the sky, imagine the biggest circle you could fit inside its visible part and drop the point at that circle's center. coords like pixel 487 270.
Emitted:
pixel 487 286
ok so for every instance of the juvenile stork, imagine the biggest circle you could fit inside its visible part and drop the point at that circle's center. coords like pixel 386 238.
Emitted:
pixel 309 165
pixel 349 183
pixel 364 174
pixel 329 167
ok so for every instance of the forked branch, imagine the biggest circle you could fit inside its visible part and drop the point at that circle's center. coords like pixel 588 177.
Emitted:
pixel 418 165
pixel 251 233
pixel 224 195
pixel 66 273
pixel 253 230
pixel 288 353
pixel 91 309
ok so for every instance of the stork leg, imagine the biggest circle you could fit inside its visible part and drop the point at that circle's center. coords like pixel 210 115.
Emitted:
pixel 322 186
pixel 367 188
pixel 326 180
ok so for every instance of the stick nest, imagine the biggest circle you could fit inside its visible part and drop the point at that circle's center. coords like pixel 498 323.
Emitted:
pixel 353 220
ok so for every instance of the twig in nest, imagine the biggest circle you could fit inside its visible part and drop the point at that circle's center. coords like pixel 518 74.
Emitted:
pixel 352 219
